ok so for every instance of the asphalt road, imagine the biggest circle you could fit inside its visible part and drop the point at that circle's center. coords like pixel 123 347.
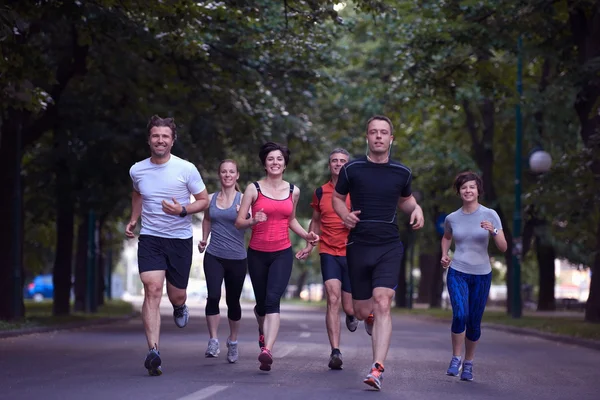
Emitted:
pixel 106 362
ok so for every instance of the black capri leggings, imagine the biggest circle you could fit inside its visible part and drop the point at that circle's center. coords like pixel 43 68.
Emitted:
pixel 270 274
pixel 234 272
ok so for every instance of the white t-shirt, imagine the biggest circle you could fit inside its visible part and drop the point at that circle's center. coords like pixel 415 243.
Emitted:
pixel 177 178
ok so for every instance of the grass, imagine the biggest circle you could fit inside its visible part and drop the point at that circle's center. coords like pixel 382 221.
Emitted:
pixel 572 326
pixel 40 314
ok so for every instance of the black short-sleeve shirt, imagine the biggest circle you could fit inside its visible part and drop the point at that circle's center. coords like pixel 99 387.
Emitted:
pixel 375 190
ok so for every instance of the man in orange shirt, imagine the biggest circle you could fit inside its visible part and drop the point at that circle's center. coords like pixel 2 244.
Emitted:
pixel 332 250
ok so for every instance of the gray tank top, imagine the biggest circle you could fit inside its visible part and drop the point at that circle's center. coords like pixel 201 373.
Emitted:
pixel 226 240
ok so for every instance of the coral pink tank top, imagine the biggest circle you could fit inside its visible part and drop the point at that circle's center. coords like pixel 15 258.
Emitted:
pixel 273 234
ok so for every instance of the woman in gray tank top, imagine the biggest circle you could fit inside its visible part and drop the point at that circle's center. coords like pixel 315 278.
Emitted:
pixel 225 259
pixel 470 273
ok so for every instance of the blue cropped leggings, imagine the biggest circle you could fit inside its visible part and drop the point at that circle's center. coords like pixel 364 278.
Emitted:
pixel 468 295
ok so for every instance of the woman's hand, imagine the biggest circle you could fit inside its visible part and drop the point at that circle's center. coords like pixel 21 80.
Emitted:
pixel 446 261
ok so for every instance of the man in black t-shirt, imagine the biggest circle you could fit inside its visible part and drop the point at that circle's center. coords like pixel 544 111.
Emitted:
pixel 377 186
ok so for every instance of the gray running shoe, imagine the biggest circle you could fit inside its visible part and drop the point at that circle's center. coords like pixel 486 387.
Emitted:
pixel 351 323
pixel 181 315
pixel 369 324
pixel 232 351
pixel 212 350
pixel 152 363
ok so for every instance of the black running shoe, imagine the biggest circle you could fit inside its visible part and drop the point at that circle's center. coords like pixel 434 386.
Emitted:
pixel 335 360
pixel 152 363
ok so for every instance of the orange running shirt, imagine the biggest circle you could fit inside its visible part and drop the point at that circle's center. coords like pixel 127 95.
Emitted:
pixel 334 234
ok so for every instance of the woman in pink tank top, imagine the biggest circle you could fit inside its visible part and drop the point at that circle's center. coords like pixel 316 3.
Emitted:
pixel 270 258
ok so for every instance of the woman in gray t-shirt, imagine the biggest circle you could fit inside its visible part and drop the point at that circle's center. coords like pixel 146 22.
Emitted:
pixel 225 259
pixel 470 272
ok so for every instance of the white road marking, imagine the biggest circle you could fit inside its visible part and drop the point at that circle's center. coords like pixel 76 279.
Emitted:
pixel 285 352
pixel 204 393
pixel 303 326
pixel 304 334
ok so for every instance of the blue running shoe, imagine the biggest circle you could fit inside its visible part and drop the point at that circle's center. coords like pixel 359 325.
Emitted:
pixel 454 367
pixel 467 372
pixel 152 363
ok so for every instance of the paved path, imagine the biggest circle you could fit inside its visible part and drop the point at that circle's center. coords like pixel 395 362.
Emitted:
pixel 106 362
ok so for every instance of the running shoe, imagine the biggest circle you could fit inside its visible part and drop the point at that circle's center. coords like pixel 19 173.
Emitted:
pixel 454 367
pixel 467 371
pixel 152 363
pixel 232 351
pixel 181 315
pixel 351 322
pixel 369 324
pixel 266 359
pixel 212 351
pixel 335 360
pixel 375 377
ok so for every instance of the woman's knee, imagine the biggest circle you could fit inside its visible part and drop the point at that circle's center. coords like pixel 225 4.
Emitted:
pixel 473 331
pixel 212 306
pixel 459 322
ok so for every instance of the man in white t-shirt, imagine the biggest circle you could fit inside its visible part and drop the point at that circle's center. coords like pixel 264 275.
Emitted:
pixel 162 187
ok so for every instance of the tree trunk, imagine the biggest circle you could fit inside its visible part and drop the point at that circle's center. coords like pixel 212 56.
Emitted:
pixel 426 268
pixel 64 239
pixel 81 264
pixel 483 153
pixel 428 263
pixel 437 283
pixel 99 260
pixel 547 278
pixel 11 228
pixel 584 19
pixel 592 307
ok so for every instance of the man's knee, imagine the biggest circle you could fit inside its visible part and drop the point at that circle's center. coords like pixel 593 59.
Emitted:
pixel 382 301
pixel 333 299
pixel 153 290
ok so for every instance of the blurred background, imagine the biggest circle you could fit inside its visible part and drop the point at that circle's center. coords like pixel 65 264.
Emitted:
pixel 509 89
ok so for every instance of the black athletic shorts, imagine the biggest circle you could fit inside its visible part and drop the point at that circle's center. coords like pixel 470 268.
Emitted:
pixel 372 266
pixel 335 267
pixel 163 254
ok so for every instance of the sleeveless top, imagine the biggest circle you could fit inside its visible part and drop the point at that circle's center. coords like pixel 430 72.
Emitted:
pixel 273 234
pixel 226 240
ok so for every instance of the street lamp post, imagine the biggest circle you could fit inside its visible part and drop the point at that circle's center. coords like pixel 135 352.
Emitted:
pixel 517 219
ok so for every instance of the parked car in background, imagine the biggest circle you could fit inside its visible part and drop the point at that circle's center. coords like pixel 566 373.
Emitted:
pixel 40 288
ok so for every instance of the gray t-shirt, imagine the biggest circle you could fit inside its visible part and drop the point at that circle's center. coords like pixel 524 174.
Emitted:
pixel 226 241
pixel 471 240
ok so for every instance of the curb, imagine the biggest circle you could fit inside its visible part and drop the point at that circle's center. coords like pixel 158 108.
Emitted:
pixel 554 337
pixel 590 344
pixel 66 327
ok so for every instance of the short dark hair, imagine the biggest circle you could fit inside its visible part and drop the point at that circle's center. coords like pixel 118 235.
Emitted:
pixel 156 121
pixel 381 118
pixel 466 177
pixel 268 147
